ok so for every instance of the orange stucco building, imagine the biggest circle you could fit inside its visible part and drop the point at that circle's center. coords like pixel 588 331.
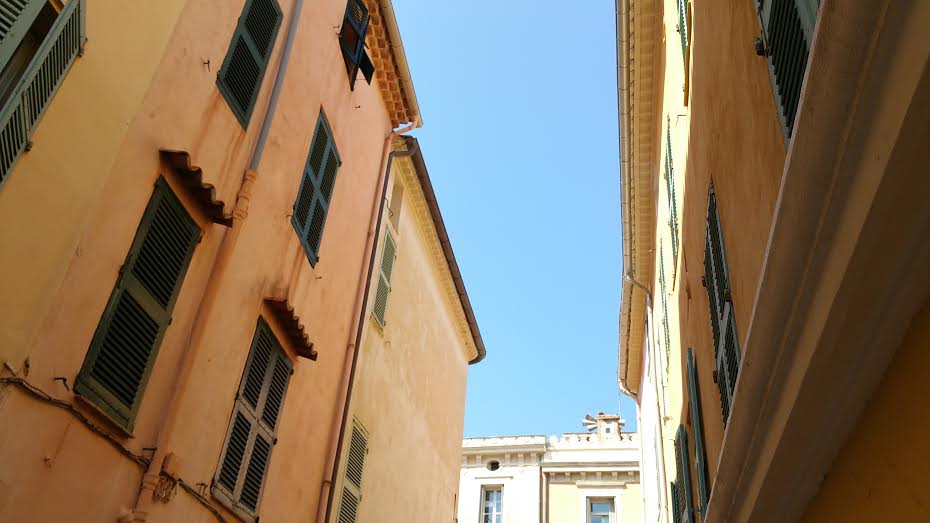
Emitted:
pixel 187 234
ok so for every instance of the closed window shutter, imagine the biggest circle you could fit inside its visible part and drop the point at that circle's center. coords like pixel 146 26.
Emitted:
pixel 16 17
pixel 352 41
pixel 676 502
pixel 316 190
pixel 241 75
pixel 697 427
pixel 722 317
pixel 355 468
pixel 670 186
pixel 788 28
pixel 664 296
pixel 684 475
pixel 683 27
pixel 383 291
pixel 247 452
pixel 126 342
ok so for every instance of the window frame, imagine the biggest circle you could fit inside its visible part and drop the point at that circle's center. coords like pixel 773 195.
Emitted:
pixel 611 513
pixel 482 503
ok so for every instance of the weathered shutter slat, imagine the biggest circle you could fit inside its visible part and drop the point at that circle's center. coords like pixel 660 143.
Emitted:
pixel 354 471
pixel 788 30
pixel 276 390
pixel 124 347
pixel 235 451
pixel 697 428
pixel 385 273
pixel 348 508
pixel 255 473
pixel 16 17
pixel 241 74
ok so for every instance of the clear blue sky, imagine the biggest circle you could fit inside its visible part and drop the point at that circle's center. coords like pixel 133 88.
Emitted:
pixel 520 136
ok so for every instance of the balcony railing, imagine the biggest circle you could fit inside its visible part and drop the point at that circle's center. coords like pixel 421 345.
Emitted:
pixel 32 94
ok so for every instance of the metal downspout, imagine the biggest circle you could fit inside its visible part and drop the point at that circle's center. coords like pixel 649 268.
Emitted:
pixel 150 478
pixel 328 485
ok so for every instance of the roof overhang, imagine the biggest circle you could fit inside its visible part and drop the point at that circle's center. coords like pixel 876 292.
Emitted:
pixel 391 68
pixel 637 45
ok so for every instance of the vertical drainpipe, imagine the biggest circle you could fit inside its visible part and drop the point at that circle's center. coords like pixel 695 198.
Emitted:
pixel 185 367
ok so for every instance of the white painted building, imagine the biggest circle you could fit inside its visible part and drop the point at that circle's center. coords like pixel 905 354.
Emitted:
pixel 576 478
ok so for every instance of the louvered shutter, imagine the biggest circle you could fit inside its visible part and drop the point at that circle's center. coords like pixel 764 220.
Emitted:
pixel 352 41
pixel 684 475
pixel 670 186
pixel 722 317
pixel 697 428
pixel 676 502
pixel 316 190
pixel 788 28
pixel 383 291
pixel 247 452
pixel 355 468
pixel 126 342
pixel 683 28
pixel 240 76
pixel 16 17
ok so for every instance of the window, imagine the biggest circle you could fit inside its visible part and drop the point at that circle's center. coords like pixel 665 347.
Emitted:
pixel 492 499
pixel 670 192
pixel 787 32
pixel 38 45
pixel 722 318
pixel 241 74
pixel 388 255
pixel 127 339
pixel 316 190
pixel 352 41
pixel 681 488
pixel 355 468
pixel 253 425
pixel 697 427
pixel 600 510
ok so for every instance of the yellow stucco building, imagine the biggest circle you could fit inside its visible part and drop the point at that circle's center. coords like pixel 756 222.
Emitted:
pixel 775 256
pixel 190 193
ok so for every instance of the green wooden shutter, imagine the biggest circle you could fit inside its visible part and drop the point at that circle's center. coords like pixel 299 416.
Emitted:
pixel 788 30
pixel 352 41
pixel 670 186
pixel 126 342
pixel 246 453
pixel 241 75
pixel 676 502
pixel 697 428
pixel 16 18
pixel 354 471
pixel 316 190
pixel 383 291
pixel 720 307
pixel 684 475
pixel 683 28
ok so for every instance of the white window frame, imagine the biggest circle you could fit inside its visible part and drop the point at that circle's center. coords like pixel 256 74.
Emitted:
pixel 485 487
pixel 611 516
pixel 612 492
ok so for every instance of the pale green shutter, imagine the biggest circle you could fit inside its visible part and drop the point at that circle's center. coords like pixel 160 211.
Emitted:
pixel 670 186
pixel 684 475
pixel 241 74
pixel 354 471
pixel 316 190
pixel 383 291
pixel 240 477
pixel 16 17
pixel 697 428
pixel 126 343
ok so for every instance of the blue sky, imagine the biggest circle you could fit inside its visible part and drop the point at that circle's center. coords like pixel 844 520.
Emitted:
pixel 520 136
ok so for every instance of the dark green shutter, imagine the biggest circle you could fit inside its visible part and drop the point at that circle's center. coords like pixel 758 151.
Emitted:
pixel 241 75
pixel 247 452
pixel 697 428
pixel 664 297
pixel 383 291
pixel 670 186
pixel 126 342
pixel 684 475
pixel 355 468
pixel 316 190
pixel 16 18
pixel 788 28
pixel 720 307
pixel 352 41
pixel 676 502
pixel 683 28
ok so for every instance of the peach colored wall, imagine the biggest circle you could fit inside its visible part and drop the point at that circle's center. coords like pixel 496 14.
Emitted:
pixel 735 140
pixel 410 385
pixel 880 473
pixel 183 109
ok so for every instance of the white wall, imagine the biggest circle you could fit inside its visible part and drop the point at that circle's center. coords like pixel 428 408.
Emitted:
pixel 649 418
pixel 521 484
